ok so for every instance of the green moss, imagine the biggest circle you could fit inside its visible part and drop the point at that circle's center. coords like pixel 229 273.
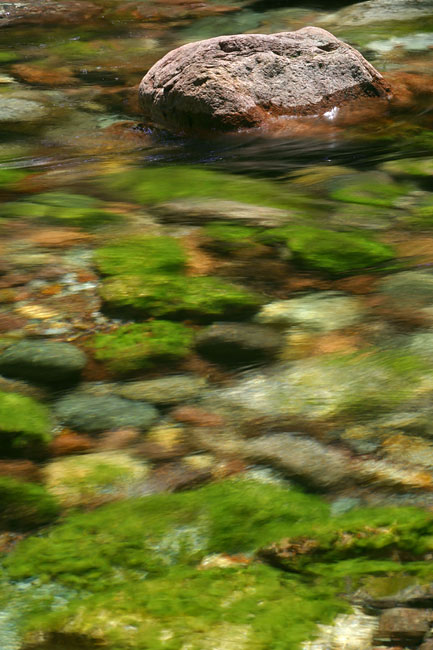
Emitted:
pixel 370 188
pixel 8 177
pixel 140 256
pixel 160 542
pixel 23 421
pixel 175 295
pixel 331 251
pixel 422 167
pixel 229 233
pixel 142 345
pixel 77 209
pixel 25 505
pixel 157 184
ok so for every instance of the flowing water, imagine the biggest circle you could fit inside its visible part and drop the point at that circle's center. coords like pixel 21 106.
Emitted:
pixel 332 397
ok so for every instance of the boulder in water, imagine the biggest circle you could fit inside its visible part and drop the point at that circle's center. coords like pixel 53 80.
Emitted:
pixel 242 81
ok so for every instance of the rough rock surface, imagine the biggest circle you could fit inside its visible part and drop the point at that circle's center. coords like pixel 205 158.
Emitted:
pixel 238 81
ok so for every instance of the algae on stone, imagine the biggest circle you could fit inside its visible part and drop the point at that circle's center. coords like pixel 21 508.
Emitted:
pixel 24 506
pixel 334 252
pixel 142 345
pixel 175 601
pixel 93 479
pixel 23 422
pixel 140 256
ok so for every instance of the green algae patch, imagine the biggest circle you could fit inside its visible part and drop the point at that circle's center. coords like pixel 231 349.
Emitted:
pixel 8 178
pixel 24 422
pixel 158 184
pixel 24 506
pixel 161 295
pixel 369 188
pixel 159 546
pixel 337 253
pixel 61 208
pixel 142 345
pixel 140 256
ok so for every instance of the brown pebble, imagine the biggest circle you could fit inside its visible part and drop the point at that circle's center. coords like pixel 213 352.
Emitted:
pixel 196 416
pixel 118 439
pixel 22 470
pixel 69 442
pixel 404 623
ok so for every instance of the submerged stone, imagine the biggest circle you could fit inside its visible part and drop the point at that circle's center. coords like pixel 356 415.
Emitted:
pixel 94 414
pixel 231 82
pixel 49 362
pixel 321 312
pixel 164 390
pixel 238 342
pixel 93 479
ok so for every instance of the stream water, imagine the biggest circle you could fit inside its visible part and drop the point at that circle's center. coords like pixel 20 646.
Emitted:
pixel 245 325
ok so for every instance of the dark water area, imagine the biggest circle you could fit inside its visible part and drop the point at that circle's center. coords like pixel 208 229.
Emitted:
pixel 216 350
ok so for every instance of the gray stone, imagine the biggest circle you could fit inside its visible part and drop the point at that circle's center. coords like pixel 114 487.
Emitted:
pixel 165 390
pixel 95 414
pixel 301 457
pixel 49 362
pixel 378 11
pixel 409 290
pixel 198 212
pixel 231 82
pixel 238 342
pixel 15 109
pixel 321 312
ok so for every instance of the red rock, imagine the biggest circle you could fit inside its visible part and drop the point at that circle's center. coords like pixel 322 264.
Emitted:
pixel 245 80
pixel 196 416
pixel 69 442
pixel 118 439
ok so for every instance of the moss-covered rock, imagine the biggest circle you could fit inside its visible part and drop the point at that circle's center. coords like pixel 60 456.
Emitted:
pixel 25 505
pixel 176 295
pixel 60 207
pixel 331 251
pixel 140 256
pixel 370 188
pixel 159 548
pixel 142 345
pixel 25 424
pixel 157 184
pixel 8 177
pixel 93 479
pixel 422 167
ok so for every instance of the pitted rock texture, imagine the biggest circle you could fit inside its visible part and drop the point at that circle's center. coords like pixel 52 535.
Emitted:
pixel 241 81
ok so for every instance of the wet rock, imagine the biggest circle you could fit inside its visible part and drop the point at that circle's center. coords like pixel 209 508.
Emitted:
pixel 94 479
pixel 352 631
pixel 170 477
pixel 321 312
pixel 393 591
pixel 427 645
pixel 197 416
pixel 15 109
pixel 324 387
pixel 198 212
pixel 372 11
pixel 44 361
pixel 32 12
pixel 68 443
pixel 164 442
pixel 403 624
pixel 94 414
pixel 301 457
pixel 118 439
pixel 229 82
pixel 233 343
pixel 164 390
pixel 409 291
